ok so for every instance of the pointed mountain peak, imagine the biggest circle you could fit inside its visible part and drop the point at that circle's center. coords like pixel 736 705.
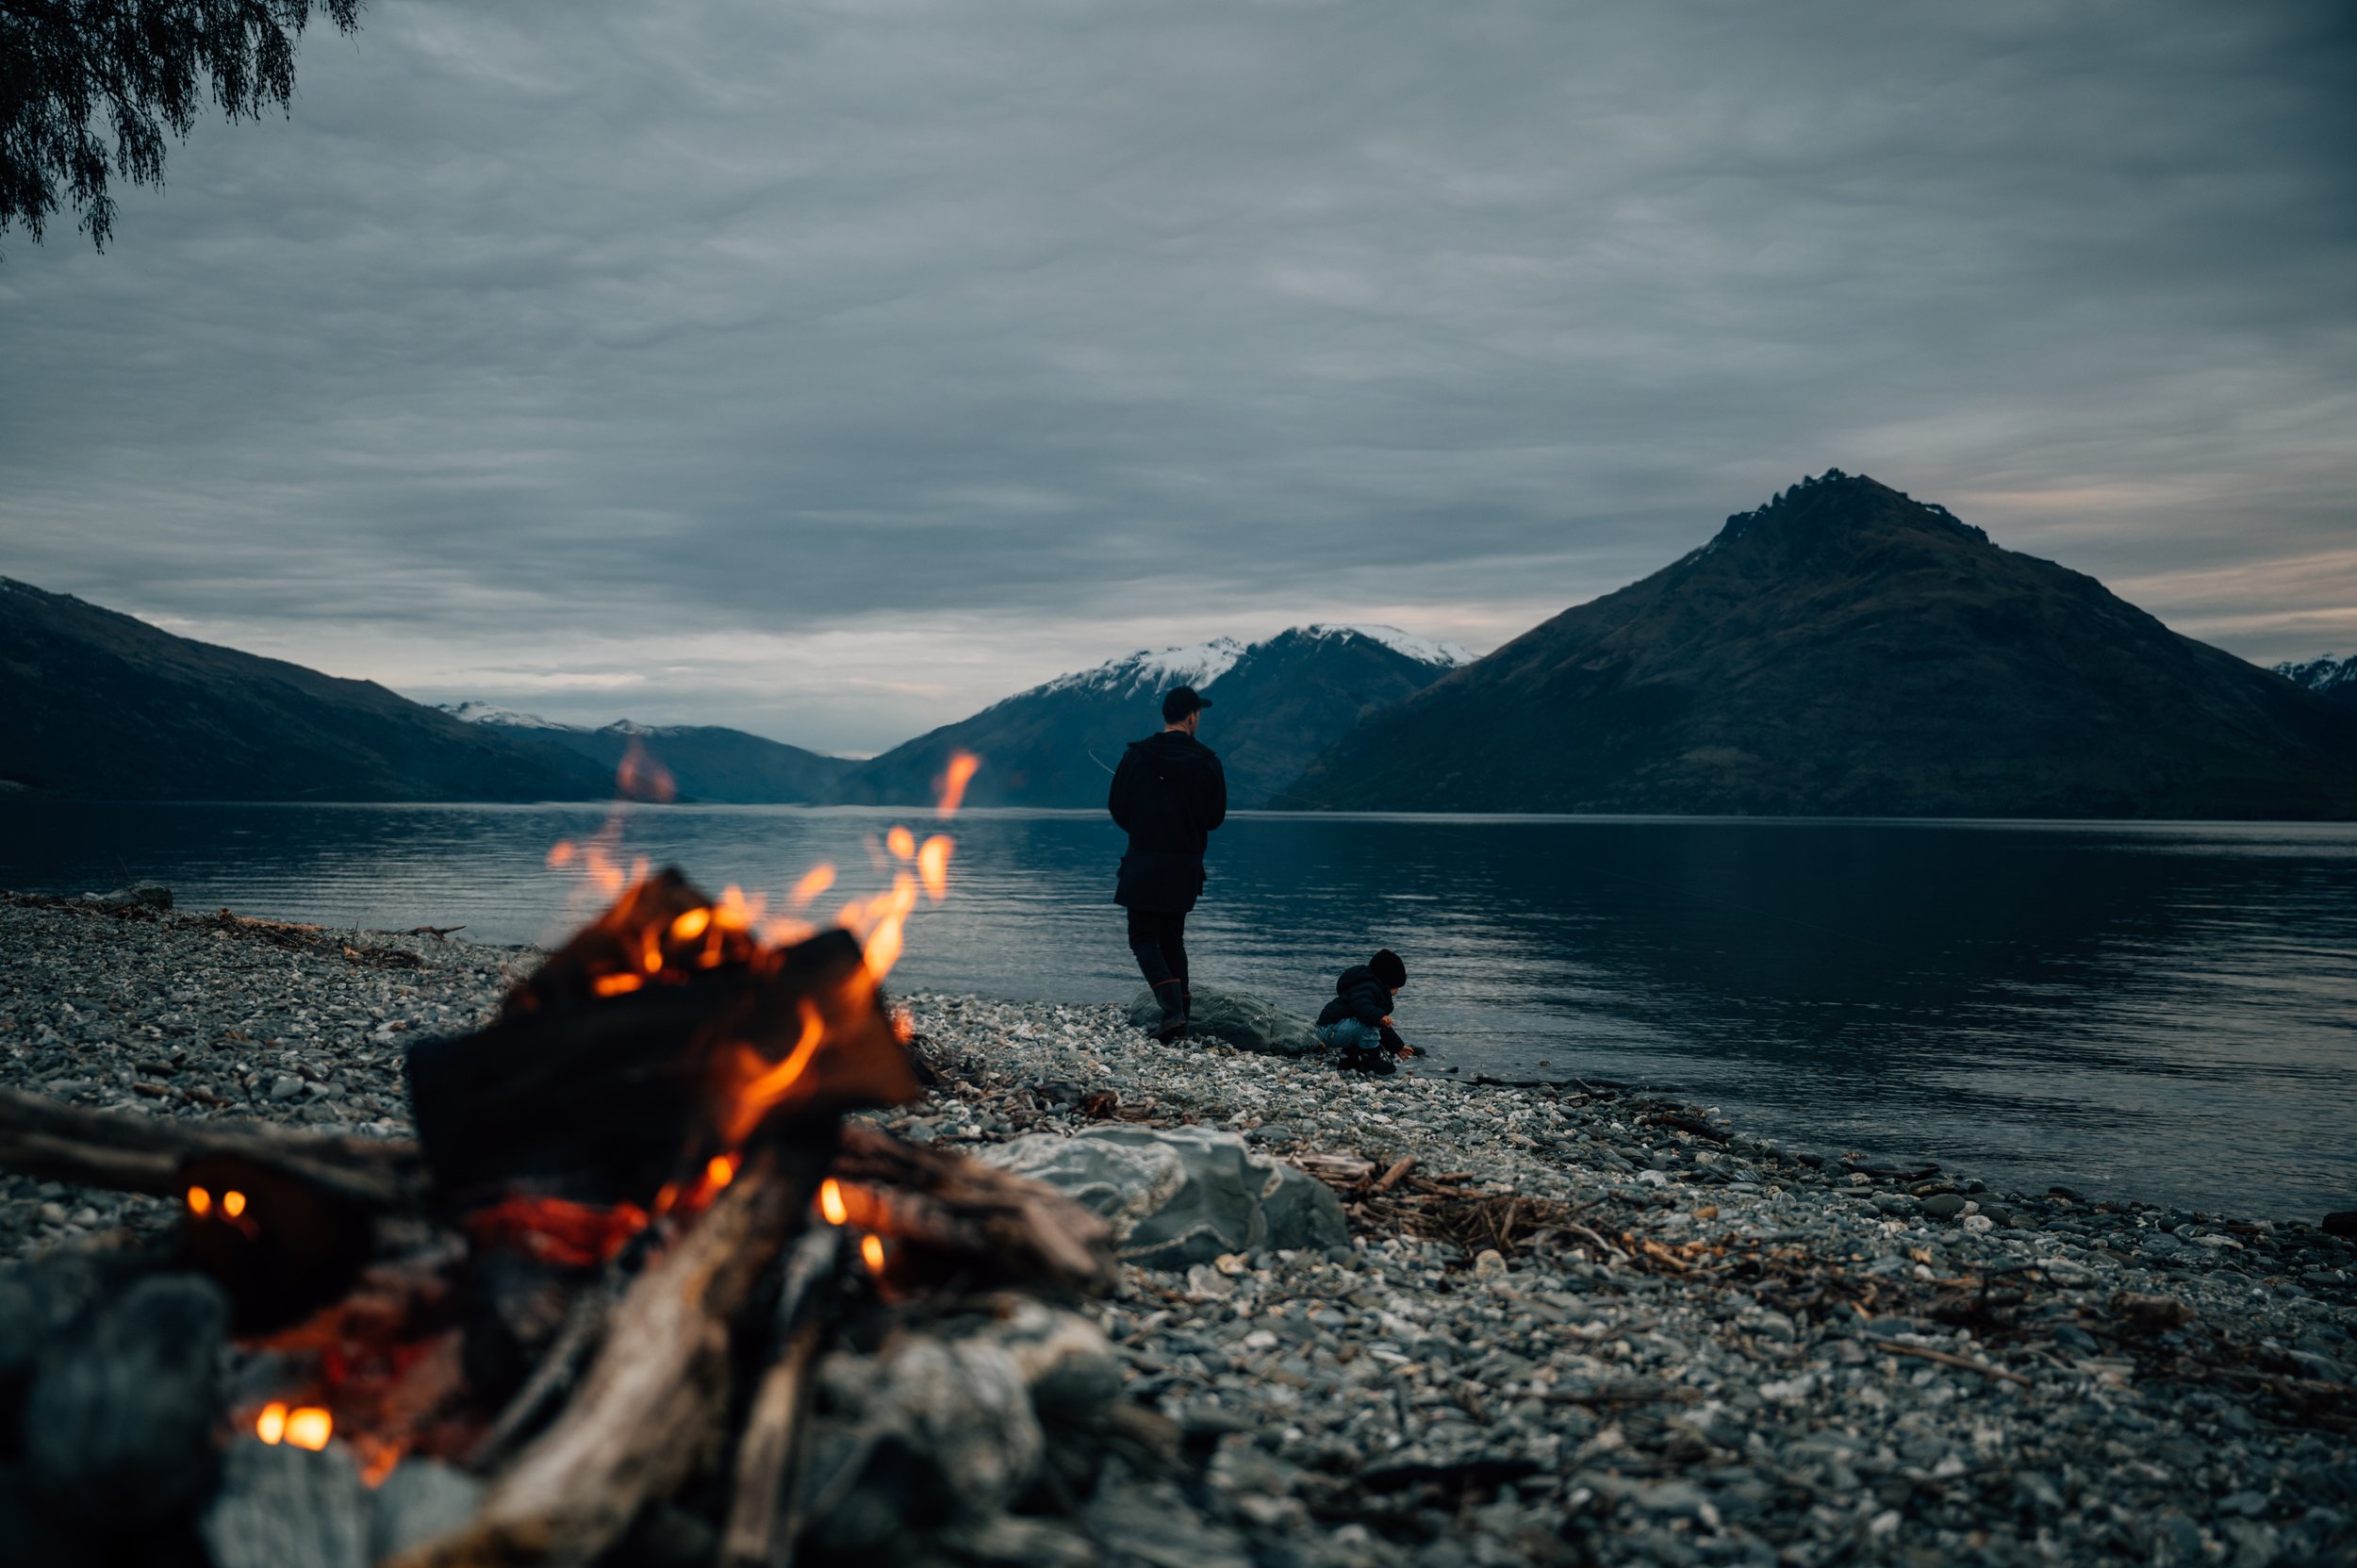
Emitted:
pixel 1197 665
pixel 1833 500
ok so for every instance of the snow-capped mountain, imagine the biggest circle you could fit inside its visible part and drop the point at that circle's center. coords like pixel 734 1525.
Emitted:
pixel 1422 650
pixel 504 718
pixel 1277 703
pixel 1147 670
pixel 2325 677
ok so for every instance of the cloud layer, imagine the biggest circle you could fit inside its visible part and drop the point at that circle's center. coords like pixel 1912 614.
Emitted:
pixel 833 369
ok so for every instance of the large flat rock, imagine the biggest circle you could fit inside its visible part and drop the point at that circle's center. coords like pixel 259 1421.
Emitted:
pixel 1181 1196
pixel 1238 1018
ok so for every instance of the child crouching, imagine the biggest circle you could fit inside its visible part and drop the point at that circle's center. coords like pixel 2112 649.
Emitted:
pixel 1357 1024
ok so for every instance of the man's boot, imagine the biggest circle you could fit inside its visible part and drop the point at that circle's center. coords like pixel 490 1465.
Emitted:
pixel 1173 998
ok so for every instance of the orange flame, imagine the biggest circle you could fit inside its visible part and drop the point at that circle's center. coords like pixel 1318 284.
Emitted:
pixel 871 1252
pixel 721 1171
pixel 901 842
pixel 639 777
pixel 830 1202
pixel 561 854
pixel 766 1084
pixel 691 925
pixel 963 766
pixel 199 1202
pixel 233 1204
pixel 614 985
pixel 310 1427
pixel 815 882
pixel 932 866
pixel 271 1426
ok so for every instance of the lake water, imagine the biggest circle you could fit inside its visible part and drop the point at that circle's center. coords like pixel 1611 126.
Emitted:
pixel 2166 1011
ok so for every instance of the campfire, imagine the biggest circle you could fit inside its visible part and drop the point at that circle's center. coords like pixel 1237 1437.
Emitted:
pixel 593 1290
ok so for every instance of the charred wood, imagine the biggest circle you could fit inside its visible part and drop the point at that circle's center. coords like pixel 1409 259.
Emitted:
pixel 609 1099
pixel 651 1406
pixel 974 1220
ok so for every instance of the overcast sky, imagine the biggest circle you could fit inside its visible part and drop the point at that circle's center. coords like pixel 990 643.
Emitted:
pixel 833 370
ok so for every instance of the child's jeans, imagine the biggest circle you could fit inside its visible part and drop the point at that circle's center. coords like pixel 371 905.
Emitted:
pixel 1350 1034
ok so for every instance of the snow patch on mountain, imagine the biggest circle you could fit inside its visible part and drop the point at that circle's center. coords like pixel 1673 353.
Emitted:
pixel 2325 674
pixel 1151 670
pixel 507 718
pixel 1422 650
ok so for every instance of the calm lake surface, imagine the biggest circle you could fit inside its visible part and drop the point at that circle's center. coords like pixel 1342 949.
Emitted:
pixel 2166 1011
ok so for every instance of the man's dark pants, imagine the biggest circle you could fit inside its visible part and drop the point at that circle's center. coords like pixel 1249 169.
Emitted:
pixel 1159 939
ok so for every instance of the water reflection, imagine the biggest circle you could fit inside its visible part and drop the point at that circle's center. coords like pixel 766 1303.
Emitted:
pixel 2166 1011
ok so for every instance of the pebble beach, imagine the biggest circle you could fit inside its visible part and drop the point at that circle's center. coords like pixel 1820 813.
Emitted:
pixel 1571 1323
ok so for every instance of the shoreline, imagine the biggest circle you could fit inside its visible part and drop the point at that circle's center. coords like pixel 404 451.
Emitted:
pixel 1706 1348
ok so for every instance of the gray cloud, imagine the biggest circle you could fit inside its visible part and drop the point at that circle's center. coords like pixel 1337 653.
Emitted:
pixel 798 366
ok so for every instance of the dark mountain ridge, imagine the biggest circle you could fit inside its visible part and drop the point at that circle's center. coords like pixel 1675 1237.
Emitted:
pixel 1276 705
pixel 704 762
pixel 1846 651
pixel 101 704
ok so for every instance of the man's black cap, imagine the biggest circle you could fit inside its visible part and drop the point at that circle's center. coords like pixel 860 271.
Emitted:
pixel 1181 701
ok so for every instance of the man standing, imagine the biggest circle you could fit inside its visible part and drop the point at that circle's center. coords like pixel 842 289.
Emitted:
pixel 1168 794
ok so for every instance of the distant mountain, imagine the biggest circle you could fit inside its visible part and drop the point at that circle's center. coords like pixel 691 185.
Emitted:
pixel 705 762
pixel 1847 651
pixel 1276 705
pixel 101 704
pixel 2328 677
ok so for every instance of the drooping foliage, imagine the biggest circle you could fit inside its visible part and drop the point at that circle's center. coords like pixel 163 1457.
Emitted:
pixel 78 76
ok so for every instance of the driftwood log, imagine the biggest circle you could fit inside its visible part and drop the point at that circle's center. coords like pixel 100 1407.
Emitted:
pixel 55 1142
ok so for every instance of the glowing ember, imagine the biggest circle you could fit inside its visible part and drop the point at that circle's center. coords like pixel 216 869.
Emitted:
pixel 830 1202
pixel 199 1202
pixel 615 985
pixel 871 1252
pixel 271 1426
pixel 554 1230
pixel 310 1427
pixel 691 925
pixel 233 1204
pixel 721 1171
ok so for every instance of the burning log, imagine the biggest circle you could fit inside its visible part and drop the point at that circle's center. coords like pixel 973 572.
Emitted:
pixel 651 1405
pixel 284 1223
pixel 557 1286
pixel 651 1043
pixel 955 1215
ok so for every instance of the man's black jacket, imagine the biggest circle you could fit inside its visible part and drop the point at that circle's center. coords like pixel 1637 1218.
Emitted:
pixel 1168 794
pixel 1358 994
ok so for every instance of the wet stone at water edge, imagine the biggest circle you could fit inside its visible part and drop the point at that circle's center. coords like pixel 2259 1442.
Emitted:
pixel 1574 1328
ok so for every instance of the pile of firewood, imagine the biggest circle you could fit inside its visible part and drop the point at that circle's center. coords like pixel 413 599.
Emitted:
pixel 587 1315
